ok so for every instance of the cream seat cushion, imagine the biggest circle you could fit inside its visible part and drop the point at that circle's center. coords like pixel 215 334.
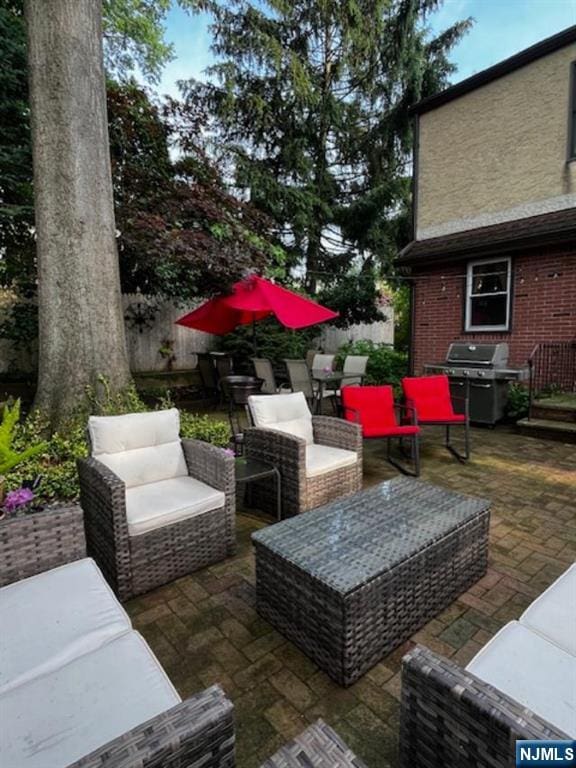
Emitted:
pixel 155 505
pixel 139 447
pixel 49 619
pixel 553 614
pixel 287 413
pixel 55 719
pixel 533 671
pixel 324 458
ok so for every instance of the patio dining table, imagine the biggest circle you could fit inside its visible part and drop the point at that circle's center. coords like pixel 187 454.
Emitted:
pixel 333 379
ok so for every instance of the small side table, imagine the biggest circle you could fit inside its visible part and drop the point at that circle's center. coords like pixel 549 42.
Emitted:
pixel 38 541
pixel 250 470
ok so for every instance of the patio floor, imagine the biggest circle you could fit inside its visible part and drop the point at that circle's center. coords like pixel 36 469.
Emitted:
pixel 204 628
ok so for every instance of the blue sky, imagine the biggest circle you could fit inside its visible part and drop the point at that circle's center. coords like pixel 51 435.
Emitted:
pixel 502 28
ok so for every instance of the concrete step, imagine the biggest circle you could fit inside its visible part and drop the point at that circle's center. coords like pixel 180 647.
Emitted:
pixel 552 411
pixel 548 429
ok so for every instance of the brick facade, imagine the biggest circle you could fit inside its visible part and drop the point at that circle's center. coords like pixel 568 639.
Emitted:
pixel 543 306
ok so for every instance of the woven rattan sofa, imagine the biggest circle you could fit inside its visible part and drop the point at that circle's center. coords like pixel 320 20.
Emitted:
pixel 319 457
pixel 521 685
pixel 156 507
pixel 79 688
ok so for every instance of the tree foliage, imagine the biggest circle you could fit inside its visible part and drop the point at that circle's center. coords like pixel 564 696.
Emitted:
pixel 310 102
pixel 180 233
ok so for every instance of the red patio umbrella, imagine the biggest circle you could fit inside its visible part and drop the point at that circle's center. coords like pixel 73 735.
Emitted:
pixel 254 299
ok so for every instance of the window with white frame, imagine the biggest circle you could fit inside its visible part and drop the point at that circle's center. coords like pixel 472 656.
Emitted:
pixel 488 284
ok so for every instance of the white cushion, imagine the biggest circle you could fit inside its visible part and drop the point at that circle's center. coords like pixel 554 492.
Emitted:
pixel 139 447
pixel 48 619
pixel 533 671
pixel 55 719
pixel 287 413
pixel 323 458
pixel 147 465
pixel 553 614
pixel 113 434
pixel 155 505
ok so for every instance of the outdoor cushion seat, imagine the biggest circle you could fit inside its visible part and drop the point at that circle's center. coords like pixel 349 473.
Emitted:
pixel 533 671
pixel 57 718
pixel 287 413
pixel 553 613
pixel 430 395
pixel 324 458
pixel 140 448
pixel 155 505
pixel 75 609
pixel 390 431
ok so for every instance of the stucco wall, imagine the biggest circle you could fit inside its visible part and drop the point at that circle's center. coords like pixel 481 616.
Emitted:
pixel 499 152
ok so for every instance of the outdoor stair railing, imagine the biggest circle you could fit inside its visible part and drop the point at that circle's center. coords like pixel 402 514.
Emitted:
pixel 552 366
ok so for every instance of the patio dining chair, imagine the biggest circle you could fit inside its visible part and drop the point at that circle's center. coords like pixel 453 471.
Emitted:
pixel 264 370
pixel 301 381
pixel 321 362
pixel 355 365
pixel 432 402
pixel 380 418
pixel 156 507
pixel 319 457
pixel 207 373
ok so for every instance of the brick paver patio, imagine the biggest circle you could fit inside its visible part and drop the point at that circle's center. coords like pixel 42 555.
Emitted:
pixel 204 628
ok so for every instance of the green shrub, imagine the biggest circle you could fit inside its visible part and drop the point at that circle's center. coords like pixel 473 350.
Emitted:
pixel 518 402
pixel 10 457
pixel 56 464
pixel 272 341
pixel 204 428
pixel 385 365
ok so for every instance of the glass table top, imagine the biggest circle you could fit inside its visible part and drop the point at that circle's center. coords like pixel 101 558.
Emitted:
pixel 354 539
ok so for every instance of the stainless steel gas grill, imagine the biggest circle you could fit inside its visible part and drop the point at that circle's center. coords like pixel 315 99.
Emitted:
pixel 481 372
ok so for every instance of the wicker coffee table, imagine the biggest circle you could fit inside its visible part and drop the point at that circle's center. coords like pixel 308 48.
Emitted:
pixel 350 581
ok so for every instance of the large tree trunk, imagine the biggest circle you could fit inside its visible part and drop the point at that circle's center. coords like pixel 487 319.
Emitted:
pixel 81 329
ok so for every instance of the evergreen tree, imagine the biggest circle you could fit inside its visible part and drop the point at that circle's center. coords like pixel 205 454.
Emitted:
pixel 310 101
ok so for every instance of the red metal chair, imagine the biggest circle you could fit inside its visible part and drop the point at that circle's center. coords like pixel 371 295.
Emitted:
pixel 374 409
pixel 432 402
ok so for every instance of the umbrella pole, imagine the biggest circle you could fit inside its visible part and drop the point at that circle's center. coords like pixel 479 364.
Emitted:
pixel 254 334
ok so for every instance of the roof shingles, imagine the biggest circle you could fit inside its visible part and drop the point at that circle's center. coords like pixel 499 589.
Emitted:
pixel 546 229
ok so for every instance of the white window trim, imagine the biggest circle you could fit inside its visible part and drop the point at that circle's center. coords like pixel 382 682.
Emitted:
pixel 469 274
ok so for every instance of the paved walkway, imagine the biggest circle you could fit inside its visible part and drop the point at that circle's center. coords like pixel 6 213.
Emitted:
pixel 204 628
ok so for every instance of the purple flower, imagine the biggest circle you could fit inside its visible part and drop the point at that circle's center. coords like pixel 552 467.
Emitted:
pixel 229 451
pixel 327 369
pixel 18 498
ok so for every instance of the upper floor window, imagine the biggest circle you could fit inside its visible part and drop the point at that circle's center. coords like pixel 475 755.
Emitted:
pixel 488 284
pixel 572 114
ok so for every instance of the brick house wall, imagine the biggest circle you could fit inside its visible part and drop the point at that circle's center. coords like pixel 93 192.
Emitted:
pixel 543 306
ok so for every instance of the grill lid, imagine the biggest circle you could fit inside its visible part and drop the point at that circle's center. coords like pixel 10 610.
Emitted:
pixel 495 355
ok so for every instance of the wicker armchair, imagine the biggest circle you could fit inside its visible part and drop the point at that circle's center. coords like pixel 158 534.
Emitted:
pixel 449 717
pixel 288 436
pixel 144 525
